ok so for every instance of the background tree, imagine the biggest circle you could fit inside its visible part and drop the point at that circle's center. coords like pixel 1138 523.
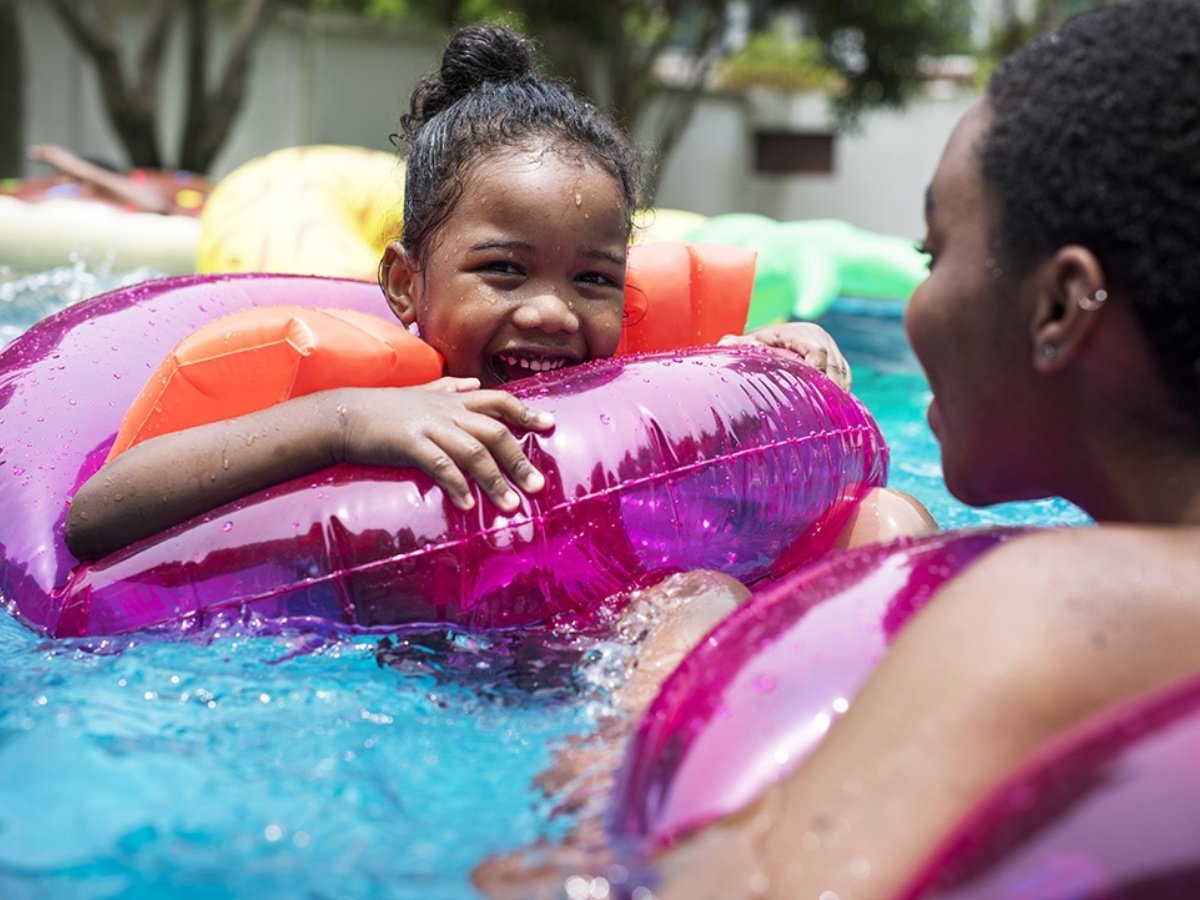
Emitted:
pixel 132 101
pixel 614 51
pixel 12 91
pixel 1014 28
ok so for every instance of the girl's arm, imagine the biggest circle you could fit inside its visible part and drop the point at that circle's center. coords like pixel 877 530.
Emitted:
pixel 445 428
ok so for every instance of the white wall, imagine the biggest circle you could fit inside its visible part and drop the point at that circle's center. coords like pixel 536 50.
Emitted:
pixel 336 80
pixel 878 182
pixel 326 80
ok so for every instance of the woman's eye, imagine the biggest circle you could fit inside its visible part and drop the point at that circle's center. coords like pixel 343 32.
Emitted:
pixel 922 247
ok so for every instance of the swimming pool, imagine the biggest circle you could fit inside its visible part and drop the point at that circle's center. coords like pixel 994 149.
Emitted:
pixel 271 767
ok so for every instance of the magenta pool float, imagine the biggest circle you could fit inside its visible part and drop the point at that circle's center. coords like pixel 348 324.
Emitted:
pixel 737 459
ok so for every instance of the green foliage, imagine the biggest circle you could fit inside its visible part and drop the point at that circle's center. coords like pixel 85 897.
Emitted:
pixel 1017 25
pixel 878 46
pixel 774 60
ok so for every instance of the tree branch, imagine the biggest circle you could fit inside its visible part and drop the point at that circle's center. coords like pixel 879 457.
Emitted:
pixel 154 46
pixel 220 108
pixel 97 40
pixel 196 113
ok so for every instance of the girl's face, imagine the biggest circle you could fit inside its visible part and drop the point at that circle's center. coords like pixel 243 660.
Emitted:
pixel 526 275
pixel 970 326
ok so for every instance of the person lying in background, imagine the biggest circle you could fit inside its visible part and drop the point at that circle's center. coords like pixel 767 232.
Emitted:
pixel 165 193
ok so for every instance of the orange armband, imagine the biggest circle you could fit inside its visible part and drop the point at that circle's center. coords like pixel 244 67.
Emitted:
pixel 685 295
pixel 255 358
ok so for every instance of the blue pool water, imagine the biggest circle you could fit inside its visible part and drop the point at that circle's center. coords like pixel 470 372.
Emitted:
pixel 249 766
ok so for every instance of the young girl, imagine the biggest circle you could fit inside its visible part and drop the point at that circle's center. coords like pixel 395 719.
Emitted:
pixel 517 215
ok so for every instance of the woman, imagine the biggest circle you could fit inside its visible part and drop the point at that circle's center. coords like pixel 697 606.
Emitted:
pixel 1060 332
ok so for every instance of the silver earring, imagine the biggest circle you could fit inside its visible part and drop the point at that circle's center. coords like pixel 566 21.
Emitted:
pixel 1049 351
pixel 1093 302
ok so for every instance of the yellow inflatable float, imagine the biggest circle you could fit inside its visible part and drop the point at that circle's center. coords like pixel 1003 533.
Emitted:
pixel 319 210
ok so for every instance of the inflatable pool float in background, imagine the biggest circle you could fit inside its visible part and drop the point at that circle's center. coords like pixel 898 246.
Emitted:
pixel 737 459
pixel 663 224
pixel 804 266
pixel 320 210
pixel 43 222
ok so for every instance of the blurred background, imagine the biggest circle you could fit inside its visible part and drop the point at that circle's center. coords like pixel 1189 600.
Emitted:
pixel 793 110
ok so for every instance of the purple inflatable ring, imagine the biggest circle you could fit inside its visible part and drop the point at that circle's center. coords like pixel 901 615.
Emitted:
pixel 760 691
pixel 738 459
pixel 1109 809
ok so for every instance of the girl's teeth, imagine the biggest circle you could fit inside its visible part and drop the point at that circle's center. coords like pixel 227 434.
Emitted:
pixel 537 365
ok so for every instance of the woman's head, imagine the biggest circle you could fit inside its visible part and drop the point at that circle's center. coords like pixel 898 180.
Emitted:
pixel 488 97
pixel 1062 227
pixel 1095 141
pixel 517 216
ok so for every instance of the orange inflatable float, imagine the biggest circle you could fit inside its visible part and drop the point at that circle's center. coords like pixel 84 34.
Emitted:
pixel 255 358
pixel 676 295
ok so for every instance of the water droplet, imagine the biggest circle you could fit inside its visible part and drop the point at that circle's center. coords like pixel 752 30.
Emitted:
pixel 764 684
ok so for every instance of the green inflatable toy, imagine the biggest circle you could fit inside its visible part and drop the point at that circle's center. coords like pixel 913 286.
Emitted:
pixel 804 266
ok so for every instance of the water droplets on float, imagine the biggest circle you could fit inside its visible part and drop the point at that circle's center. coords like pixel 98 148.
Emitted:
pixel 765 683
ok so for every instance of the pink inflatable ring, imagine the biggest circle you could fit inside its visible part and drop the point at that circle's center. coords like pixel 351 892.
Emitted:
pixel 737 459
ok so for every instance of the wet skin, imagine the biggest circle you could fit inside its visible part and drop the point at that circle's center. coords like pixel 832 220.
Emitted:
pixel 971 326
pixel 526 275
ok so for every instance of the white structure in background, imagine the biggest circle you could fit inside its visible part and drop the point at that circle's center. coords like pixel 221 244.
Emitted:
pixel 333 79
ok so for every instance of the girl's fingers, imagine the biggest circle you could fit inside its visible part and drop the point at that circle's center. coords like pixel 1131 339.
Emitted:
pixel 506 451
pixel 476 458
pixel 503 405
pixel 445 471
pixel 448 384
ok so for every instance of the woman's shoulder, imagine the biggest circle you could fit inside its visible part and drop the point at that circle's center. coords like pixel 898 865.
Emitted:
pixel 1134 560
pixel 1082 617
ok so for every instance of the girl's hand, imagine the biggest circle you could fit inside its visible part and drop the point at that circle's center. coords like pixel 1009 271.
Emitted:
pixel 450 429
pixel 811 342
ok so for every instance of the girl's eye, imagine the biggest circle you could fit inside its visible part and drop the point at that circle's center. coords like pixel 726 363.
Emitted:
pixel 501 267
pixel 601 279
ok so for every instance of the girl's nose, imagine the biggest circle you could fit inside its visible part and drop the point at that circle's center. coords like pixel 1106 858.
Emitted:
pixel 547 311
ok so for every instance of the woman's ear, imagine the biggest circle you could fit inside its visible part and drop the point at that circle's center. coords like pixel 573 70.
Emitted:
pixel 1070 304
pixel 398 277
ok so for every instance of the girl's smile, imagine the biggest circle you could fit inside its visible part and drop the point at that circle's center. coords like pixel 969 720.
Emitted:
pixel 526 274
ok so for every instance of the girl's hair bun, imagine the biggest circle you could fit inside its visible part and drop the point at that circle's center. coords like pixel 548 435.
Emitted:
pixel 476 55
